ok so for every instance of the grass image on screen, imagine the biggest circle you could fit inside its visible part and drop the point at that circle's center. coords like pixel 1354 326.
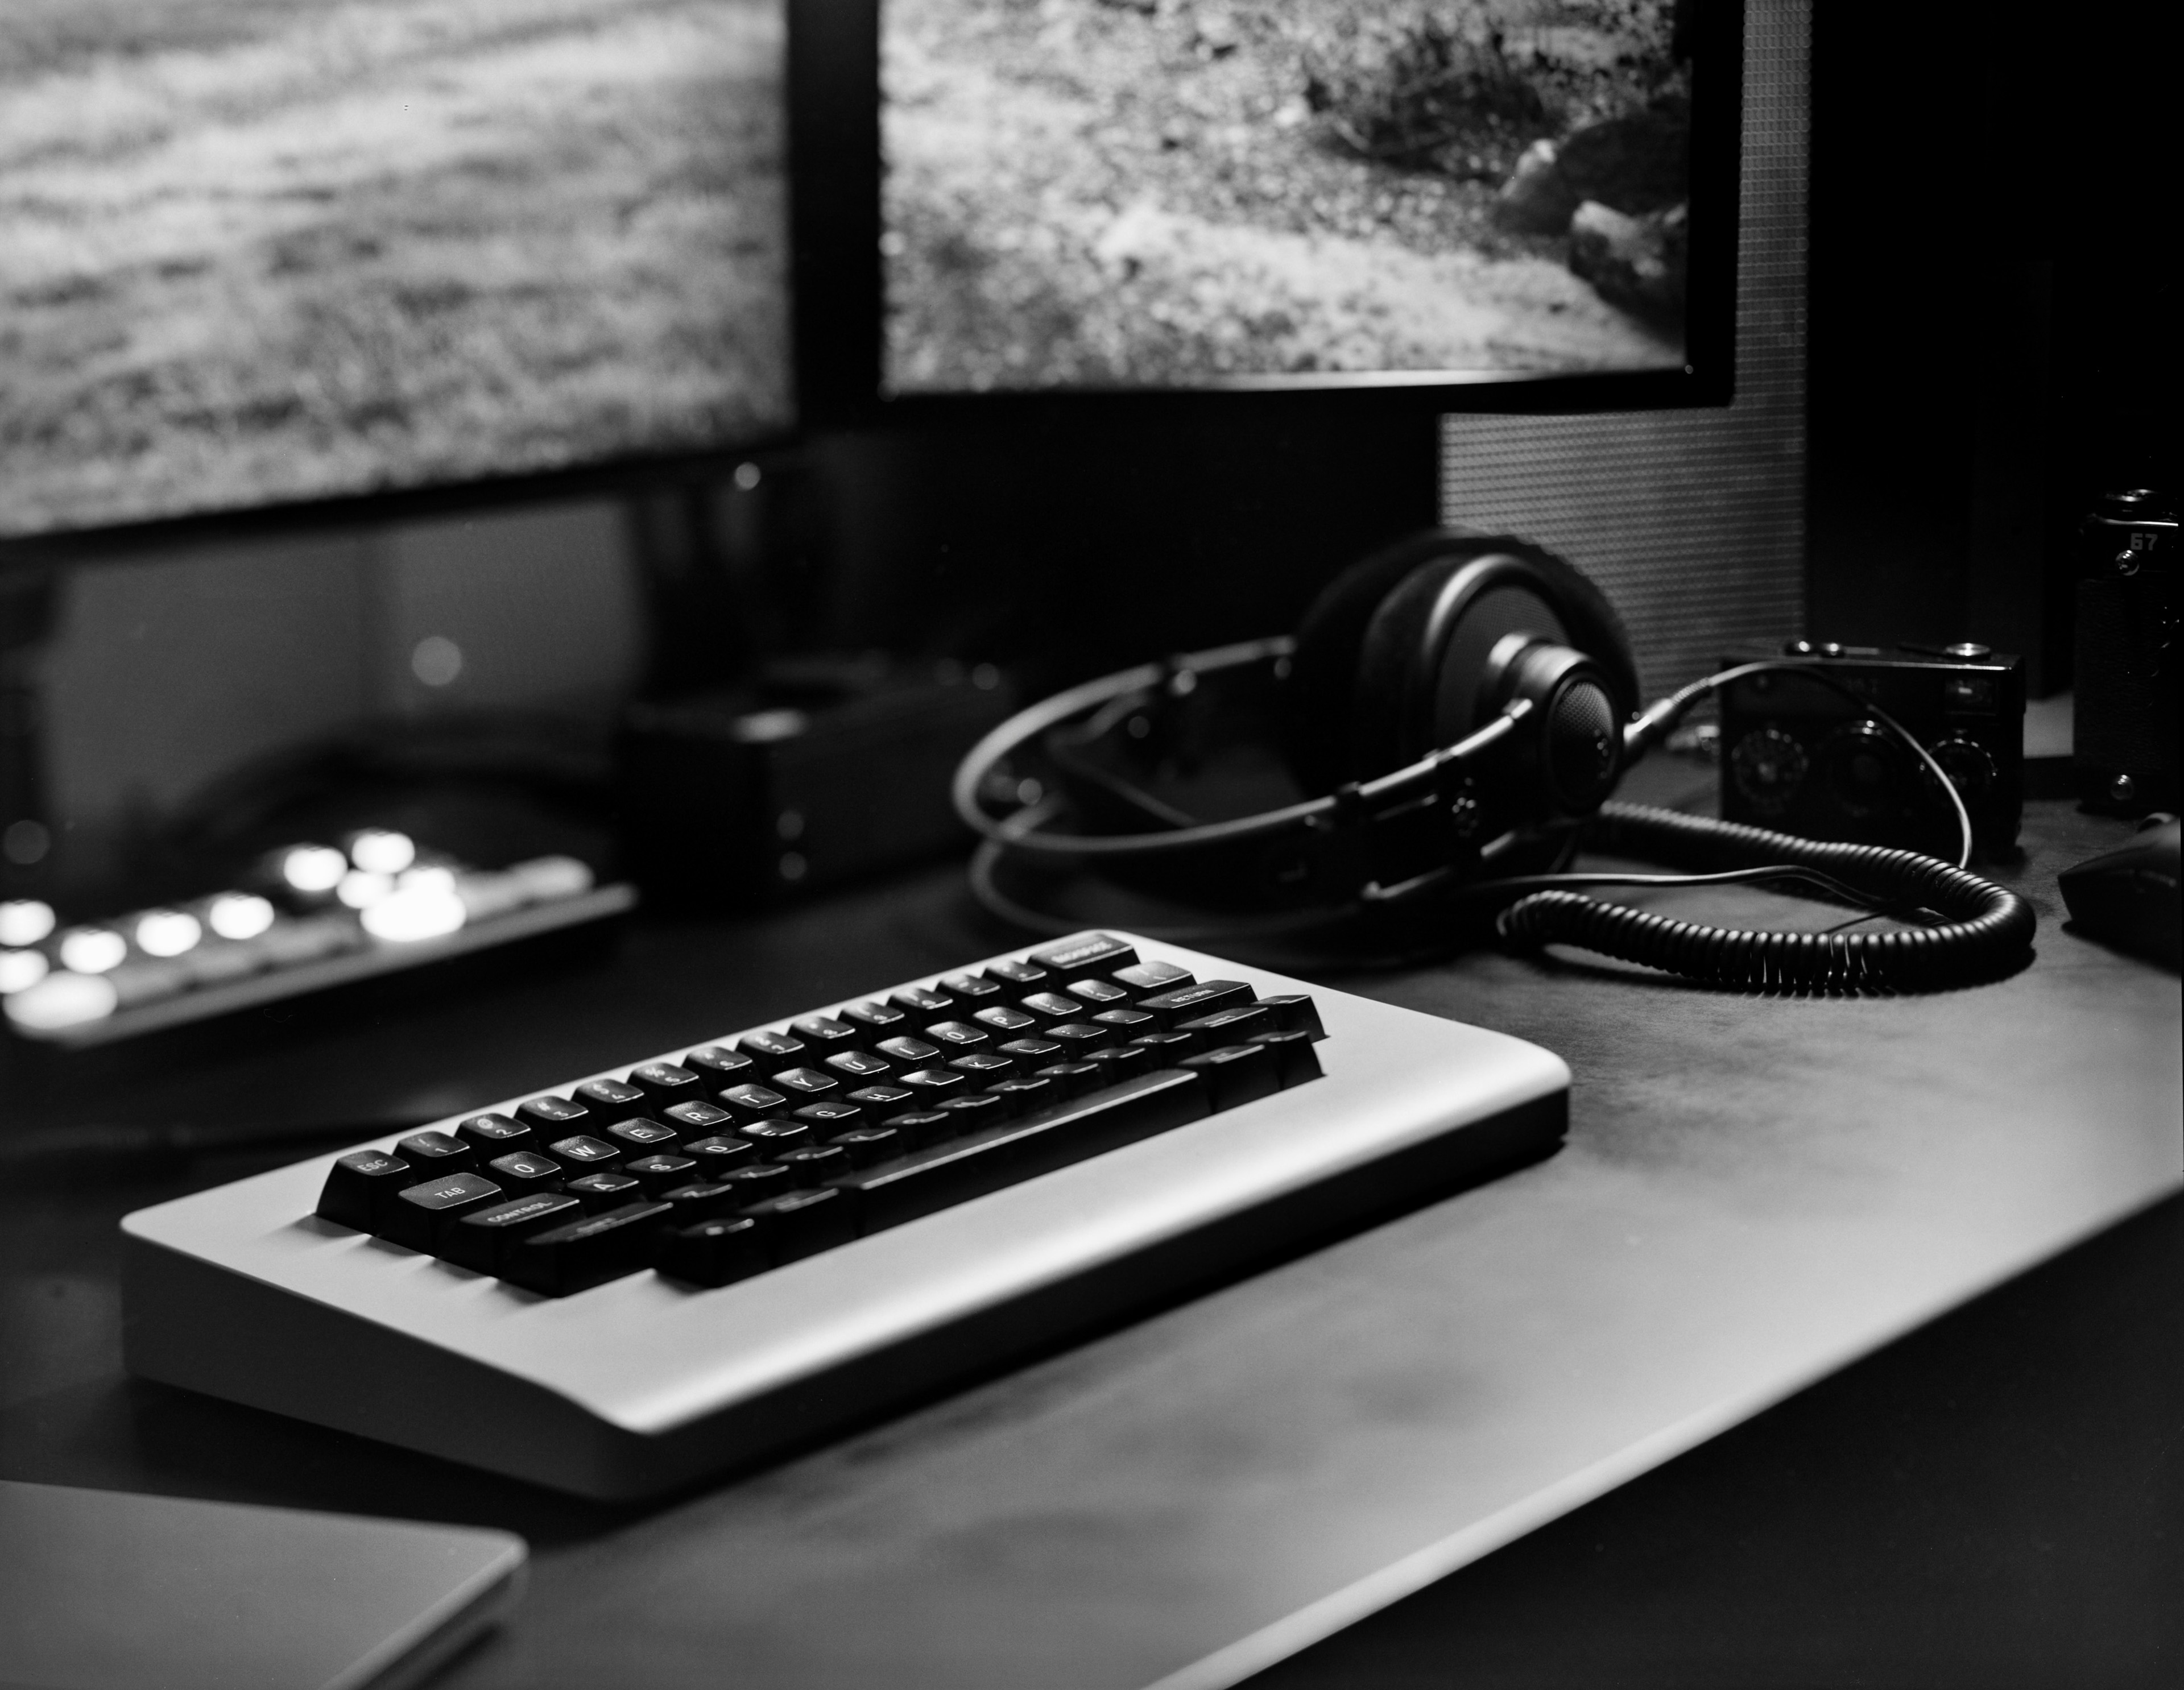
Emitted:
pixel 254 251
pixel 1177 193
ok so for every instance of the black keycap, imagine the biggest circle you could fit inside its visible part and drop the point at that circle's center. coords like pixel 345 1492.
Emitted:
pixel 658 1171
pixel 1231 1026
pixel 611 1099
pixel 1237 1074
pixel 1014 973
pixel 1128 1024
pixel 495 1135
pixel 1167 1048
pixel 1054 1006
pixel 920 1127
pixel 951 1173
pixel 1294 1060
pixel 414 1213
pixel 1152 976
pixel 1027 1093
pixel 772 1136
pixel 1293 1012
pixel 716 1154
pixel 753 1103
pixel 553 1114
pixel 1004 1020
pixel 1081 1038
pixel 717 1252
pixel 804 1082
pixel 358 1183
pixel 583 1151
pixel 985 1067
pixel 814 1165
pixel 867 1146
pixel 875 1015
pixel 563 1260
pixel 1118 1061
pixel 769 1047
pixel 905 1049
pixel 640 1136
pixel 697 1117
pixel 521 1172
pixel 931 1085
pixel 975 1109
pixel 859 1064
pixel 480 1241
pixel 824 1032
pixel 802 1223
pixel 969 988
pixel 702 1200
pixel 1096 952
pixel 1072 1079
pixel 717 1068
pixel 666 1083
pixel 604 1190
pixel 436 1152
pixel 881 1100
pixel 762 1179
pixel 829 1116
pixel 921 1000
pixel 1184 1002
pixel 1032 1052
pixel 956 1035
pixel 1099 993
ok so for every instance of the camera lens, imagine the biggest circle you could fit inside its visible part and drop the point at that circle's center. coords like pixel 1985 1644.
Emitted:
pixel 1867 772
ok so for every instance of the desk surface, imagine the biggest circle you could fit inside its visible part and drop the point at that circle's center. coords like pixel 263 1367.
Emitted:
pixel 1756 1191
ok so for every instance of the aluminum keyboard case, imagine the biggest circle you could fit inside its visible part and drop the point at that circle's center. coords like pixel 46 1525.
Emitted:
pixel 641 1385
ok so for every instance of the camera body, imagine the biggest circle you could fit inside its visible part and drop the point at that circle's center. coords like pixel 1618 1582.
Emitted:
pixel 2124 748
pixel 1798 757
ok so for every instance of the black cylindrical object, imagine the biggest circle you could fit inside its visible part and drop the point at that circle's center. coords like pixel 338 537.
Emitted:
pixel 2124 748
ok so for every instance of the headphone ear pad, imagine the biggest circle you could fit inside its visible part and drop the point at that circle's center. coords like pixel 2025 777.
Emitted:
pixel 1319 699
pixel 1345 706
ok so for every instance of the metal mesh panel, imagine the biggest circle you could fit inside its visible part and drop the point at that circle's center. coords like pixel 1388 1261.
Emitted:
pixel 1692 521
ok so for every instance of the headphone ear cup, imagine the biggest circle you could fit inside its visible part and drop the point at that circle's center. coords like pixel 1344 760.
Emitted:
pixel 1319 698
pixel 1351 706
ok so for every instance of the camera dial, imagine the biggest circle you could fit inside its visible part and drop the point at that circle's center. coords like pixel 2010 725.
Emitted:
pixel 1768 767
pixel 1971 769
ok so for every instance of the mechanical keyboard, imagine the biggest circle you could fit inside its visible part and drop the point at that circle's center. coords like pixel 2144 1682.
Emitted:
pixel 704 1259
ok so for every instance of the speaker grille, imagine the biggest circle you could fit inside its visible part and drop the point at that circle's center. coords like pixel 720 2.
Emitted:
pixel 1691 521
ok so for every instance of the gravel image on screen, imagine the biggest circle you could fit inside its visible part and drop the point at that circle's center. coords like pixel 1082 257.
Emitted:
pixel 258 251
pixel 1182 193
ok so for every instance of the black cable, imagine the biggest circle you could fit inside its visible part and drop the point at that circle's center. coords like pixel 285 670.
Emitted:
pixel 1986 932
pixel 1979 930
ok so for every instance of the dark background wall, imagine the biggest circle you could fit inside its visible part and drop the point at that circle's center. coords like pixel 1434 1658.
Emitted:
pixel 1992 331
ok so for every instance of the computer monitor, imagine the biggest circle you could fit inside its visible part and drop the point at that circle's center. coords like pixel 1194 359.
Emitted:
pixel 1168 206
pixel 1139 318
pixel 282 260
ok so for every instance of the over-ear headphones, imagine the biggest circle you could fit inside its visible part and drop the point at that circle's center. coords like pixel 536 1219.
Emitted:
pixel 1460 705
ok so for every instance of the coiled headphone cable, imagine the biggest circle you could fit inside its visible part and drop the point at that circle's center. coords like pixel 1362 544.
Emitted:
pixel 1984 933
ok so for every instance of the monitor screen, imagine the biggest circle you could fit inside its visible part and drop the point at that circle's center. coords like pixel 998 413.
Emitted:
pixel 1175 196
pixel 262 253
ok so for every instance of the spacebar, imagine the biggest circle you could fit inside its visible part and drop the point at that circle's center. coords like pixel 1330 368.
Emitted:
pixel 908 1186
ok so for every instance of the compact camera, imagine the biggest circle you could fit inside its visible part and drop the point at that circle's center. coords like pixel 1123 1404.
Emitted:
pixel 1799 757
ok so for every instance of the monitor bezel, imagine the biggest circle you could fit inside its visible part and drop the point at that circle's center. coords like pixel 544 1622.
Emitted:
pixel 838 322
pixel 630 475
